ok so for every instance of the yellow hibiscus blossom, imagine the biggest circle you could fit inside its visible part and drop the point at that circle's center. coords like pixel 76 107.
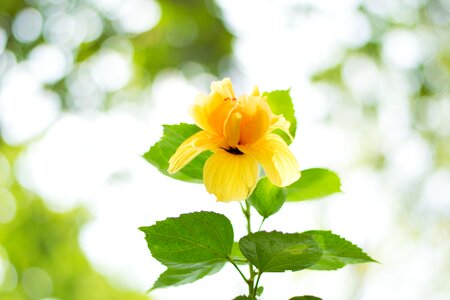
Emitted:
pixel 240 133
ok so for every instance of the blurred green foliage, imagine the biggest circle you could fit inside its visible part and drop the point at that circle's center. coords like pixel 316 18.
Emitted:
pixel 188 31
pixel 11 7
pixel 428 81
pixel 38 239
pixel 190 36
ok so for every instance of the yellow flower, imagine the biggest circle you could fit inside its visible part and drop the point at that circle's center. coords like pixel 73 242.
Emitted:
pixel 240 133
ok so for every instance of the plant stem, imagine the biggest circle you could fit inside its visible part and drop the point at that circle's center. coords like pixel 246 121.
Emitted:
pixel 251 280
pixel 237 268
pixel 246 212
pixel 260 225
pixel 256 285
pixel 247 216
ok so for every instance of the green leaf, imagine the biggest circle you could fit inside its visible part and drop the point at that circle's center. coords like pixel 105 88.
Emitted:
pixel 236 254
pixel 190 238
pixel 160 153
pixel 278 252
pixel 305 298
pixel 330 75
pixel 336 251
pixel 314 183
pixel 280 102
pixel 267 198
pixel 175 276
pixel 259 291
pixel 243 297
pixel 191 246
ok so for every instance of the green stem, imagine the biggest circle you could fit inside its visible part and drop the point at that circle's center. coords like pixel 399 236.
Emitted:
pixel 256 285
pixel 260 225
pixel 237 268
pixel 251 280
pixel 247 216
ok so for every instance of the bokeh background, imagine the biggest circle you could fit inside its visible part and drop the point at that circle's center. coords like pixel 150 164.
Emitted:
pixel 86 84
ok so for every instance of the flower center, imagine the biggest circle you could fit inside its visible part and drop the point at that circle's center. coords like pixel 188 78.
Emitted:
pixel 234 151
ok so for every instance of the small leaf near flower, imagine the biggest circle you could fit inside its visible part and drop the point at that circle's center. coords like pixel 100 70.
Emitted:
pixel 280 102
pixel 267 198
pixel 160 153
pixel 314 183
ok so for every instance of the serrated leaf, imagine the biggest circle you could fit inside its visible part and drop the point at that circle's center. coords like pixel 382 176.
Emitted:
pixel 192 238
pixel 191 246
pixel 278 252
pixel 267 198
pixel 175 276
pixel 160 153
pixel 314 183
pixel 307 297
pixel 336 251
pixel 280 102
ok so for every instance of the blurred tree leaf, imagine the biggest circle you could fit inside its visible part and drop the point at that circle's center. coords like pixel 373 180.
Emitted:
pixel 160 153
pixel 307 297
pixel 188 31
pixel 39 238
pixel 314 183
pixel 333 75
pixel 372 49
pixel 11 7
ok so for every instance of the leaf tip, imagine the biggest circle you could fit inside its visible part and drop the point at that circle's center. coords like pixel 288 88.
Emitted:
pixel 142 228
pixel 373 260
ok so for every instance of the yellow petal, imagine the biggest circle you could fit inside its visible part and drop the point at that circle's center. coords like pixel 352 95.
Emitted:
pixel 279 122
pixel 223 88
pixel 232 130
pixel 220 115
pixel 278 162
pixel 189 149
pixel 211 111
pixel 199 111
pixel 255 118
pixel 229 176
pixel 255 91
